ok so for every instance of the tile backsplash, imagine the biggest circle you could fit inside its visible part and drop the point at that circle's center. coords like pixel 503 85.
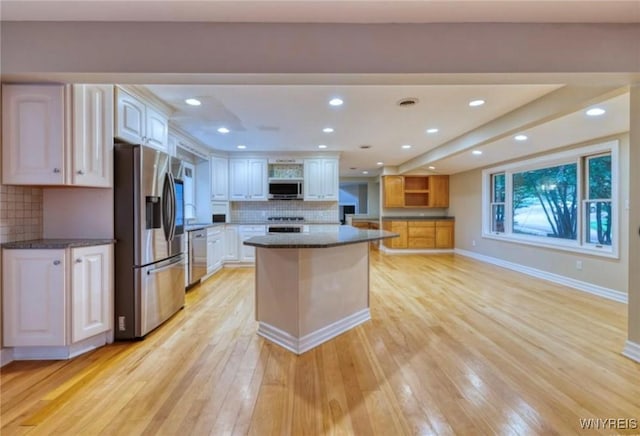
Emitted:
pixel 20 213
pixel 314 211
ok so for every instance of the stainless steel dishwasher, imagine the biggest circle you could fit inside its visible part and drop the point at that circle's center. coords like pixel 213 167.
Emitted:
pixel 197 255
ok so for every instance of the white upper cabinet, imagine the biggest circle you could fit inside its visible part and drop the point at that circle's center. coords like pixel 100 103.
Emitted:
pixel 37 148
pixel 92 135
pixel 321 179
pixel 139 123
pixel 219 178
pixel 248 179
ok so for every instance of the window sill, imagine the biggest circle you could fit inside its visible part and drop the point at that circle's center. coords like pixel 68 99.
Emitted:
pixel 558 246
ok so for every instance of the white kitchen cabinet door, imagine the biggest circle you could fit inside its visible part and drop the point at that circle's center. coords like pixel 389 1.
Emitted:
pixel 238 179
pixel 321 179
pixel 91 291
pixel 92 135
pixel 130 118
pixel 258 179
pixel 33 134
pixel 157 128
pixel 34 299
pixel 247 253
pixel 219 179
pixel 231 243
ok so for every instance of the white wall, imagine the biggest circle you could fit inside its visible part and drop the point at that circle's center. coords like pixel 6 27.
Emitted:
pixel 466 206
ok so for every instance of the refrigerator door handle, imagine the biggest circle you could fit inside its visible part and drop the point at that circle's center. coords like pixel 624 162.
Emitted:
pixel 165 267
pixel 173 206
pixel 167 207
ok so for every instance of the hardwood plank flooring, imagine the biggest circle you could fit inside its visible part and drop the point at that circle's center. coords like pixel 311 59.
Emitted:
pixel 455 346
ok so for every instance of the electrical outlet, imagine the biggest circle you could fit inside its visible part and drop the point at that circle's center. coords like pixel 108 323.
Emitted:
pixel 473 243
pixel 121 325
pixel 579 265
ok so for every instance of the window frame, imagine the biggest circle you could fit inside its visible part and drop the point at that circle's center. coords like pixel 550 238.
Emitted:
pixel 578 156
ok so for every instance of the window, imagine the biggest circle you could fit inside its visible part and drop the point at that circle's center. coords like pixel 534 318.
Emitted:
pixel 565 200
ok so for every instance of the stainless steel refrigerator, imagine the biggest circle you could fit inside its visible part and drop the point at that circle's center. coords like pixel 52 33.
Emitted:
pixel 149 231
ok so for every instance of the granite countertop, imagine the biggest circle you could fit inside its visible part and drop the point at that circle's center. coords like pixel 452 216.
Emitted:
pixel 200 226
pixel 270 223
pixel 343 235
pixel 417 218
pixel 56 243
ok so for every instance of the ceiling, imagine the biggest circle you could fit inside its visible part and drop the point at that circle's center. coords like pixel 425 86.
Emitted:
pixel 327 11
pixel 287 113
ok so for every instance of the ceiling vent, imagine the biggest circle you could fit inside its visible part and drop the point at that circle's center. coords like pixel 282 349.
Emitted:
pixel 365 147
pixel 408 102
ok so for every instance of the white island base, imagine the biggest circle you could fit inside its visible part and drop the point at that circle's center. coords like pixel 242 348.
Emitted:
pixel 307 296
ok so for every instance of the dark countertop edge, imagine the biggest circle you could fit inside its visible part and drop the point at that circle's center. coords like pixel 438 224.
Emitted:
pixel 320 245
pixel 194 227
pixel 275 223
pixel 55 243
pixel 417 218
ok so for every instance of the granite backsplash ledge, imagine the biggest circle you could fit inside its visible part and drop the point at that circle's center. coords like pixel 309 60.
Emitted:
pixel 257 211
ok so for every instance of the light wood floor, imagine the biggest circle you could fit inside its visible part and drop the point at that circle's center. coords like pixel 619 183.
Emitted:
pixel 455 346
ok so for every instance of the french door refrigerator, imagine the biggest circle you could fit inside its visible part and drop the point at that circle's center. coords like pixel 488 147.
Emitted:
pixel 149 230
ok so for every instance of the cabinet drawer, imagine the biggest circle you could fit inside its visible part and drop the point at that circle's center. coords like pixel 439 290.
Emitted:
pixel 444 223
pixel 421 224
pixel 422 242
pixel 421 232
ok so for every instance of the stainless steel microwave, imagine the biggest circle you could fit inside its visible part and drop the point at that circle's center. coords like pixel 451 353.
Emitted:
pixel 285 190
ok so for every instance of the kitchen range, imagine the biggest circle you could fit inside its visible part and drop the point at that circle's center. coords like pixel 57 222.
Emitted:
pixel 286 224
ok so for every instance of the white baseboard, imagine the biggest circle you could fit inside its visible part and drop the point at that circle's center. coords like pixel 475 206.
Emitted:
pixel 312 340
pixel 601 291
pixel 6 356
pixel 237 264
pixel 60 353
pixel 632 351
pixel 415 250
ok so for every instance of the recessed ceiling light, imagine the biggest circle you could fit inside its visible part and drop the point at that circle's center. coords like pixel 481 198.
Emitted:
pixel 322 146
pixel 328 130
pixel 521 137
pixel 595 112
pixel 336 102
pixel 365 172
pixel 193 102
pixel 432 130
pixel 241 147
pixel 474 103
pixel 380 163
pixel 432 168
pixel 406 146
pixel 477 152
pixel 223 130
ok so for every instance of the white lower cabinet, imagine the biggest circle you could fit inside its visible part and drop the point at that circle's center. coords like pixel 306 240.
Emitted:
pixel 215 248
pixel 247 253
pixel 56 299
pixel 230 243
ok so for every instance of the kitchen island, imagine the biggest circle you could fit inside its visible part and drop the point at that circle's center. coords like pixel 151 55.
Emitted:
pixel 311 287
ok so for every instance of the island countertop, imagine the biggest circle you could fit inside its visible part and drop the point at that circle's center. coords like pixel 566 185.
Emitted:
pixel 343 235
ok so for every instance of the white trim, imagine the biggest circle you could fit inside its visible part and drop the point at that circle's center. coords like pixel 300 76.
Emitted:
pixel 387 250
pixel 632 351
pixel 610 294
pixel 60 353
pixel 6 356
pixel 560 158
pixel 312 340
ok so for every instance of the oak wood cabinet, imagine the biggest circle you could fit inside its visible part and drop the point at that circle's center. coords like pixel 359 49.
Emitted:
pixel 416 191
pixel 57 134
pixel 420 234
